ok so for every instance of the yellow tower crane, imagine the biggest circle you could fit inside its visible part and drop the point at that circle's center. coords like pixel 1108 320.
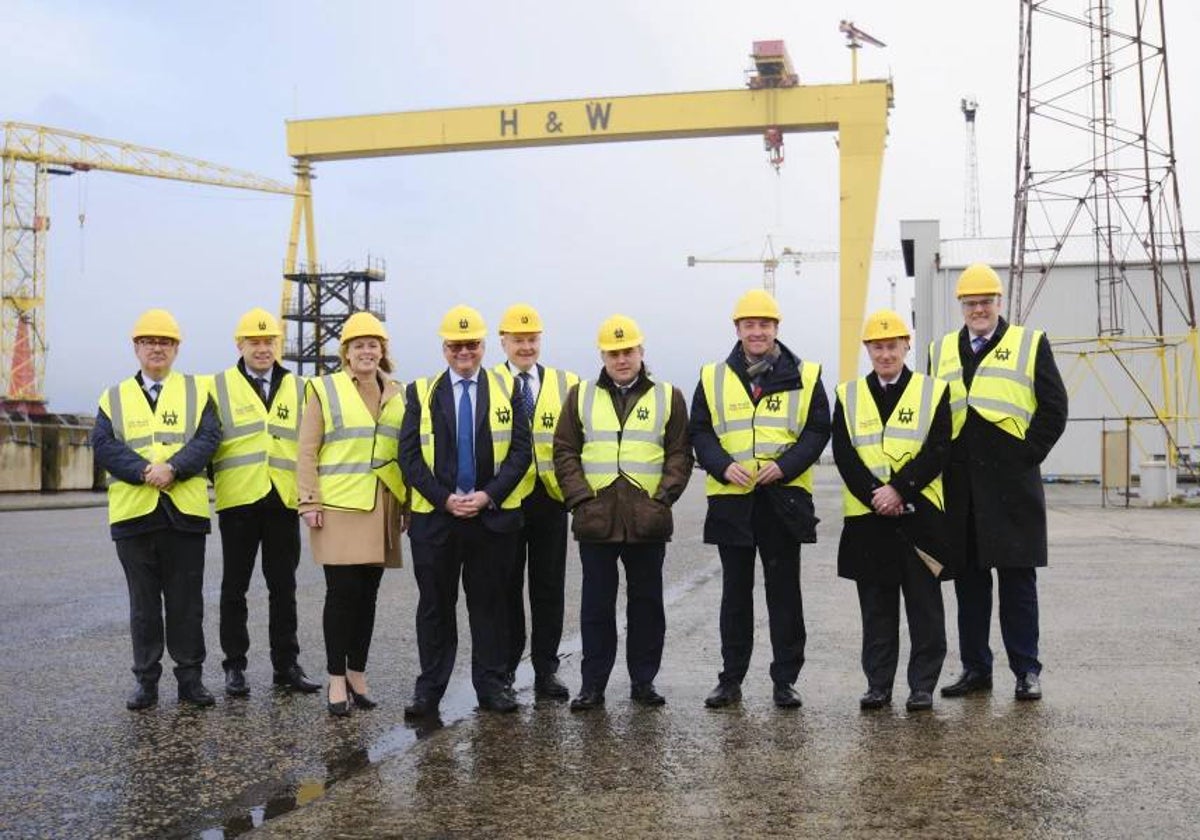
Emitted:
pixel 30 155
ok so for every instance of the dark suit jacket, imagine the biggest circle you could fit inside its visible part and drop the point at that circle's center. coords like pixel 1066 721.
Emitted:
pixel 436 485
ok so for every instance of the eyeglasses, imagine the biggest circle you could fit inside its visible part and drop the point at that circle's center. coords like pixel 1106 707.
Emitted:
pixel 978 303
pixel 155 342
pixel 459 346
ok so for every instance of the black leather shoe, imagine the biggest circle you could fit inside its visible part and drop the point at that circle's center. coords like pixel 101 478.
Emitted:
pixel 341 709
pixel 875 698
pixel 195 693
pixel 919 701
pixel 725 694
pixel 969 682
pixel 360 701
pixel 235 683
pixel 550 687
pixel 502 702
pixel 510 677
pixel 785 697
pixel 295 679
pixel 144 696
pixel 422 705
pixel 1029 687
pixel 645 694
pixel 587 699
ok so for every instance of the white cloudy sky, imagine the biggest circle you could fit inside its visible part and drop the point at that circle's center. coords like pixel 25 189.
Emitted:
pixel 580 232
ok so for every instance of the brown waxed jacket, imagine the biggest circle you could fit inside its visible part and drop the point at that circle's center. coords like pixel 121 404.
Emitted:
pixel 621 512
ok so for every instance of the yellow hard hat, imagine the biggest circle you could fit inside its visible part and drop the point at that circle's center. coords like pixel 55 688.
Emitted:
pixel 618 333
pixel 885 324
pixel 978 279
pixel 756 303
pixel 363 325
pixel 157 323
pixel 257 323
pixel 521 318
pixel 462 323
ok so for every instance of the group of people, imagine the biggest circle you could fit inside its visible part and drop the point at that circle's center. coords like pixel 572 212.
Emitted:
pixel 485 468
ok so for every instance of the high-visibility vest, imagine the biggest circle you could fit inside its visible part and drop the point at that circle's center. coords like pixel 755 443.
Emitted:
pixel 385 460
pixel 500 422
pixel 753 433
pixel 156 436
pixel 344 473
pixel 554 387
pixel 633 450
pixel 885 449
pixel 258 443
pixel 1002 390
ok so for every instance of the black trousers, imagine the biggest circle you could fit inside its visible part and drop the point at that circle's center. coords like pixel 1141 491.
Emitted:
pixel 349 616
pixel 646 621
pixel 243 529
pixel 880 604
pixel 542 550
pixel 1018 619
pixel 165 569
pixel 483 561
pixel 780 554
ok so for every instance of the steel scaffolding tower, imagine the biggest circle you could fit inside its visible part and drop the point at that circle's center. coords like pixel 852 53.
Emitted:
pixel 322 302
pixel 972 228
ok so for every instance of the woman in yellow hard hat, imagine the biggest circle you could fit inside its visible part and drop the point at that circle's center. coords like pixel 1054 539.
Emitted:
pixel 891 442
pixel 354 522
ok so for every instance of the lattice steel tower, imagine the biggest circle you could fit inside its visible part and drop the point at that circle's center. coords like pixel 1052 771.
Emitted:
pixel 972 228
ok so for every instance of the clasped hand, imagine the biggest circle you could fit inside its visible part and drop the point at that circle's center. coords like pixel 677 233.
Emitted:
pixel 466 505
pixel 887 501
pixel 159 475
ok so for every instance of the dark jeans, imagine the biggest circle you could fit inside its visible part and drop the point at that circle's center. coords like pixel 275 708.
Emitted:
pixel 1018 619
pixel 482 560
pixel 542 548
pixel 646 622
pixel 349 617
pixel 165 569
pixel 880 606
pixel 780 555
pixel 243 529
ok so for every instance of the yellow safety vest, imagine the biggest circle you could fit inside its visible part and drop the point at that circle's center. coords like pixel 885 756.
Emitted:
pixel 1002 389
pixel 258 444
pixel 553 390
pixel 754 433
pixel 885 449
pixel 344 473
pixel 385 461
pixel 633 450
pixel 500 421
pixel 156 436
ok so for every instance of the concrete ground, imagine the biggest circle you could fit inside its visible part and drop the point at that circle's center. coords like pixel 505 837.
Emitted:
pixel 1112 751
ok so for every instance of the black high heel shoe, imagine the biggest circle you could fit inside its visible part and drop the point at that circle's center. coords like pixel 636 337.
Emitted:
pixel 362 701
pixel 341 709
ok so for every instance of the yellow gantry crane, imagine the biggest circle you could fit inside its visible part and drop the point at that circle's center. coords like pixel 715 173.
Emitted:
pixel 30 155
pixel 773 104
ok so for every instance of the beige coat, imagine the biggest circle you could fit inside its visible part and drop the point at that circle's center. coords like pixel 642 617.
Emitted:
pixel 349 537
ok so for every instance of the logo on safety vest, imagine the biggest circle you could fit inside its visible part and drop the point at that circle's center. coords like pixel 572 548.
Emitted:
pixel 643 413
pixel 773 402
pixel 905 415
pixel 281 411
pixel 548 420
pixel 1002 353
pixel 503 415
pixel 170 418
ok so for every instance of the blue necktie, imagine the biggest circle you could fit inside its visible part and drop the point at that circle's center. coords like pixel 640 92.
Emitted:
pixel 525 397
pixel 466 439
pixel 155 391
pixel 977 344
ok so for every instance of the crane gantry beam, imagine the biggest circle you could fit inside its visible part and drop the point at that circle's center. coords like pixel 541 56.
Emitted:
pixel 857 112
pixel 28 156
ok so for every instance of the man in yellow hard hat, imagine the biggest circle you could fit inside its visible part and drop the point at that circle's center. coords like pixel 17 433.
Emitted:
pixel 254 473
pixel 464 453
pixel 155 433
pixel 537 393
pixel 622 459
pixel 891 441
pixel 1009 408
pixel 760 420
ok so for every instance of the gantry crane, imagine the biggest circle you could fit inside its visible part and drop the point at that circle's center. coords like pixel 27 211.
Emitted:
pixel 769 261
pixel 30 155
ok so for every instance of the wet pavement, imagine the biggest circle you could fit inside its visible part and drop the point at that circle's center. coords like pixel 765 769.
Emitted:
pixel 1112 751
